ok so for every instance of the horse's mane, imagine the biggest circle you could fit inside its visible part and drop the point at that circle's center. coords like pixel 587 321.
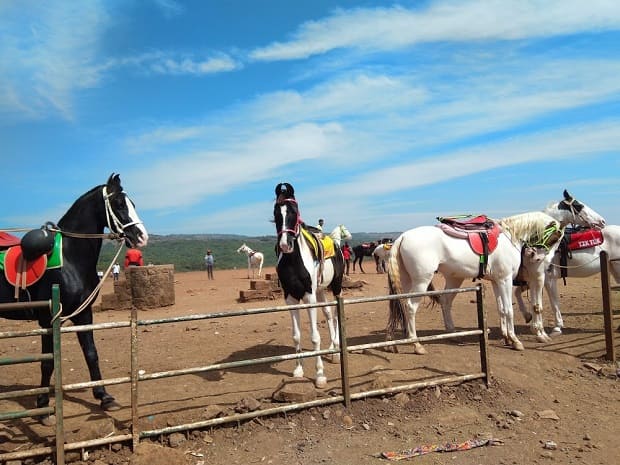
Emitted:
pixel 527 226
pixel 77 204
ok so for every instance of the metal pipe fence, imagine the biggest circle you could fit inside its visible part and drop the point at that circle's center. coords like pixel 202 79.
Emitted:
pixel 137 376
pixel 608 316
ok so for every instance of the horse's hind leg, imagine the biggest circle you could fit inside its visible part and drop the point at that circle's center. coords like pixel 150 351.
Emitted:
pixel 87 343
pixel 446 302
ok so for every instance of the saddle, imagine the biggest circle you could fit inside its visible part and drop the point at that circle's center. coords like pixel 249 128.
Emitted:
pixel 322 246
pixel 576 239
pixel 24 261
pixel 480 231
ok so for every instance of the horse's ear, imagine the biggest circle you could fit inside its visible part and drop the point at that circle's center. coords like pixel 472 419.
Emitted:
pixel 114 183
pixel 285 190
pixel 567 196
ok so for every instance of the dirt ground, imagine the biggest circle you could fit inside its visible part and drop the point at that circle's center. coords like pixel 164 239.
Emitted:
pixel 547 404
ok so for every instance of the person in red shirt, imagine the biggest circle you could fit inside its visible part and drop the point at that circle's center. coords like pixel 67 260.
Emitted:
pixel 346 253
pixel 133 257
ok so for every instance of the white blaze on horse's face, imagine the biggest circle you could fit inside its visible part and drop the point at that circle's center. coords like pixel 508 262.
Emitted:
pixel 286 240
pixel 143 237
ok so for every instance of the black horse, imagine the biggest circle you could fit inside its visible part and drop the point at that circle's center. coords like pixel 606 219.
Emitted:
pixel 361 251
pixel 306 271
pixel 77 237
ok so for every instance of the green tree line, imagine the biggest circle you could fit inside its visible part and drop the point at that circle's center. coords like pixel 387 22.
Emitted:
pixel 186 251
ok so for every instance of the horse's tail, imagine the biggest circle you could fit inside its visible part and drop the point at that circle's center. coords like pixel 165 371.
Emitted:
pixel 398 316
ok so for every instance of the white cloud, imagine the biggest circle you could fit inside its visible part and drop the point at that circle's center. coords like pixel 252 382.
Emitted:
pixel 474 20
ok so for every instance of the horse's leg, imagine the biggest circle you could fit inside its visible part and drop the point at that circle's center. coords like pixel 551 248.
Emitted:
pixel 527 315
pixel 362 269
pixel 412 308
pixel 551 285
pixel 320 380
pixel 446 302
pixel 332 324
pixel 536 280
pixel 260 268
pixel 298 372
pixel 47 368
pixel 87 343
pixel 503 297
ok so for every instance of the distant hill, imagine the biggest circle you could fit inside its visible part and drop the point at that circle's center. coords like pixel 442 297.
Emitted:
pixel 186 251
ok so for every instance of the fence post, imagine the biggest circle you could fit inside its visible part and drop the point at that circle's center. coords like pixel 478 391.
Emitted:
pixel 484 336
pixel 135 428
pixel 58 395
pixel 344 354
pixel 607 312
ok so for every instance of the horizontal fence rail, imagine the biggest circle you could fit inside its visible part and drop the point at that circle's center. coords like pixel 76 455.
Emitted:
pixel 137 376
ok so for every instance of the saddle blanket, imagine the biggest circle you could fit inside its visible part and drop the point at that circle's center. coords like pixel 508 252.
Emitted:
pixel 584 239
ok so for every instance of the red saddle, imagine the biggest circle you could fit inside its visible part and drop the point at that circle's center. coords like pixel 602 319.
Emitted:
pixel 473 229
pixel 22 273
pixel 8 240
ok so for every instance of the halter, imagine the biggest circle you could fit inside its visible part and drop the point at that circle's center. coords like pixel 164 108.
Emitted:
pixel 298 222
pixel 546 235
pixel 115 225
pixel 576 211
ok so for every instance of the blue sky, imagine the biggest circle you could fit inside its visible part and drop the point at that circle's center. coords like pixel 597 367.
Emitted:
pixel 382 115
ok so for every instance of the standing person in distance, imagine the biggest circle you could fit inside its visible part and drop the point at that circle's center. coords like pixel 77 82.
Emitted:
pixel 209 261
pixel 346 253
pixel 116 271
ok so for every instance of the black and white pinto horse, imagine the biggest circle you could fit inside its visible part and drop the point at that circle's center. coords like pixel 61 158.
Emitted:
pixel 305 275
pixel 255 260
pixel 81 230
pixel 580 263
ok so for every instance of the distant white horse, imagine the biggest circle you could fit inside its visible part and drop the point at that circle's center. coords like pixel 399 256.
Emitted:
pixel 420 252
pixel 381 253
pixel 580 263
pixel 255 260
pixel 340 233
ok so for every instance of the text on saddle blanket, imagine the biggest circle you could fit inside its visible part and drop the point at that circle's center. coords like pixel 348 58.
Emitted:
pixel 583 239
pixel 481 232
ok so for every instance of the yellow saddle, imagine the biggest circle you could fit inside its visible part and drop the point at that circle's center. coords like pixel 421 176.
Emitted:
pixel 323 248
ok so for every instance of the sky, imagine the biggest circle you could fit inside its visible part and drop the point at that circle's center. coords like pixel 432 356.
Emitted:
pixel 382 115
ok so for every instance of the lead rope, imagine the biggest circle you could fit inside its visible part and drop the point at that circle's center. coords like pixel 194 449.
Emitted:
pixel 92 295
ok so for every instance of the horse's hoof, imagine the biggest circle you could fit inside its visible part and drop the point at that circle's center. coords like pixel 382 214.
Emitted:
pixel 556 331
pixel 321 382
pixel 419 349
pixel 517 345
pixel 48 420
pixel 109 404
pixel 543 338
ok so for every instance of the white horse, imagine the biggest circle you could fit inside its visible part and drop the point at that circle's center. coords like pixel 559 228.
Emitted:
pixel 255 260
pixel 380 254
pixel 305 276
pixel 418 253
pixel 340 233
pixel 580 264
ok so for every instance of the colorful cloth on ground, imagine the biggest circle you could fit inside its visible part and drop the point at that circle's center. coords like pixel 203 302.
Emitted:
pixel 448 447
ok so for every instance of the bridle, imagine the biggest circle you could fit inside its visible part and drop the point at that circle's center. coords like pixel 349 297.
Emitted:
pixel 296 229
pixel 574 207
pixel 114 224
